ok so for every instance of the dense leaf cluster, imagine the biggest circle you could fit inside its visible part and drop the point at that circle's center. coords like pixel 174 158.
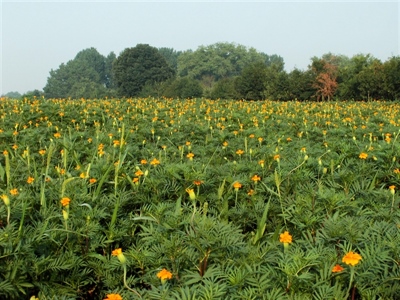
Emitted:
pixel 125 167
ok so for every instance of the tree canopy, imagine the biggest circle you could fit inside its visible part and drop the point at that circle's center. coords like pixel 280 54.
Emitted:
pixel 139 65
pixel 222 70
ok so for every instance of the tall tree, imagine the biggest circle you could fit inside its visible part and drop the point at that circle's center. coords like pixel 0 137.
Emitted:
pixel 84 76
pixel 325 71
pixel 217 61
pixel 171 56
pixel 137 66
pixel 251 84
pixel 391 69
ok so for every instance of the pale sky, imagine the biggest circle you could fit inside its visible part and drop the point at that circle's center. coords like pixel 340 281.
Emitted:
pixel 37 36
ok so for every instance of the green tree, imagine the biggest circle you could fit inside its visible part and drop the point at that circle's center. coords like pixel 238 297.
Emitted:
pixel 85 76
pixel 137 66
pixel 251 84
pixel 109 80
pixel 391 70
pixel 183 88
pixel 224 89
pixel 348 80
pixel 171 56
pixel 214 62
pixel 13 95
pixel 74 73
pixel 300 85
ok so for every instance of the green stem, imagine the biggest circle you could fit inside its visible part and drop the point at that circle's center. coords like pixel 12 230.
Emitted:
pixel 126 285
pixel 351 280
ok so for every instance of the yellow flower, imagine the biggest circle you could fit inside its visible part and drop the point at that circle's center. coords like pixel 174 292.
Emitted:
pixel 14 192
pixel 363 155
pixel 277 157
pixel 155 162
pixel 113 297
pixel 256 178
pixel 261 163
pixel 164 274
pixel 190 155
pixel 139 173
pixel 42 152
pixel 118 253
pixel 6 199
pixel 237 185
pixel 143 162
pixel 239 152
pixel 191 193
pixel 30 180
pixel 391 188
pixel 285 237
pixel 351 258
pixel 65 201
pixel 57 135
pixel 337 268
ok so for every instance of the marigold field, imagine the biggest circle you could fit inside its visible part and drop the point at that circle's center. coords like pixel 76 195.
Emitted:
pixel 199 199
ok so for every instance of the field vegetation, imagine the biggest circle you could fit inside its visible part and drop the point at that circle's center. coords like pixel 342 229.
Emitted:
pixel 147 198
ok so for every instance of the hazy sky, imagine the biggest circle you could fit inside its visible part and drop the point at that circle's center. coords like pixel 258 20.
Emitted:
pixel 37 36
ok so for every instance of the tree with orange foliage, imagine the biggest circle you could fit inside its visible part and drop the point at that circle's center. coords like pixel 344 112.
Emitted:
pixel 325 80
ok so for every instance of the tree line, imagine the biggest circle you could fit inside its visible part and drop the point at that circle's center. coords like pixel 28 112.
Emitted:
pixel 222 71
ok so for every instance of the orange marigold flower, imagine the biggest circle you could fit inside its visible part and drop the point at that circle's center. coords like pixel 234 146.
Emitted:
pixel 14 192
pixel 363 155
pixel 351 258
pixel 113 297
pixel 250 193
pixel 42 152
pixel 190 155
pixel 5 152
pixel 197 182
pixel 391 188
pixel 277 157
pixel 237 185
pixel 261 163
pixel 30 180
pixel 396 171
pixel 256 178
pixel 57 135
pixel 139 173
pixel 337 268
pixel 164 274
pixel 285 237
pixel 92 180
pixel 155 162
pixel 225 144
pixel 65 201
pixel 143 162
pixel 239 152
pixel 118 253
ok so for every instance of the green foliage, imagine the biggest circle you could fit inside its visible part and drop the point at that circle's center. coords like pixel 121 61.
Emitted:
pixel 124 165
pixel 183 88
pixel 87 75
pixel 137 66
